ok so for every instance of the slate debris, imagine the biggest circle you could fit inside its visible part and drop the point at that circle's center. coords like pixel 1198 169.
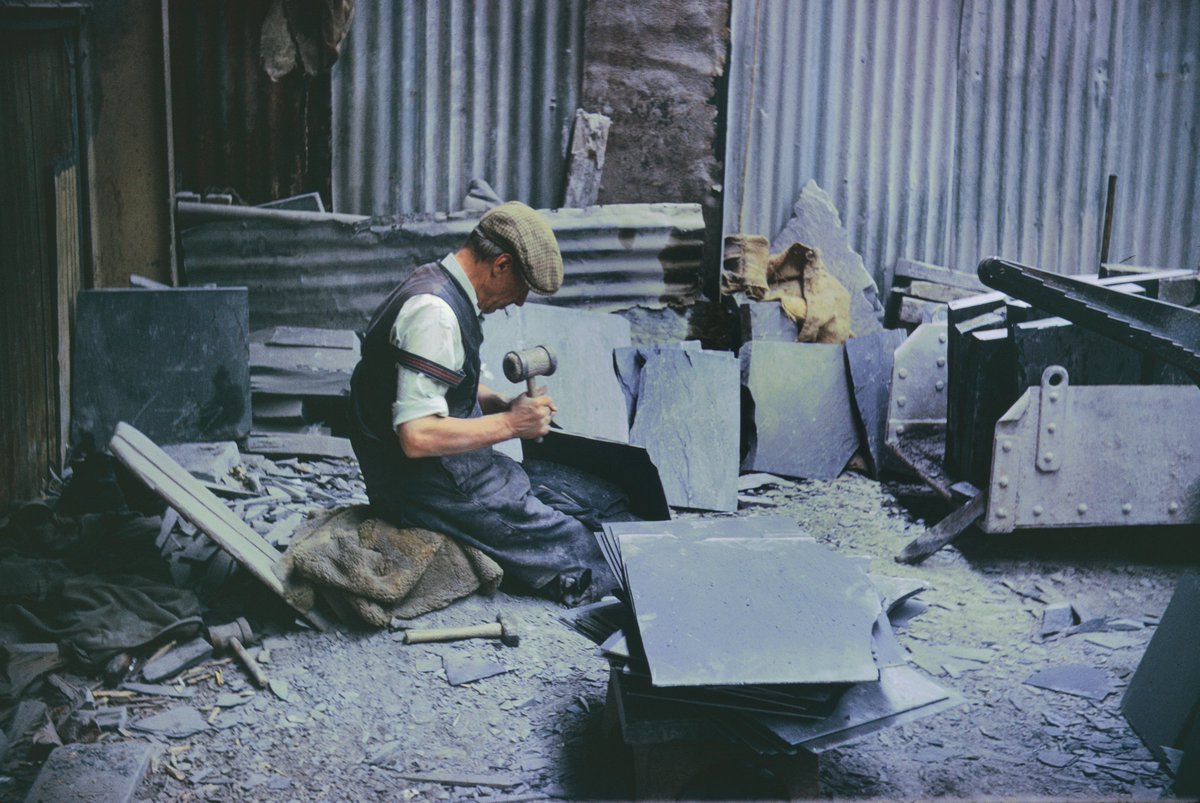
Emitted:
pixel 176 723
pixel 105 772
pixel 1076 679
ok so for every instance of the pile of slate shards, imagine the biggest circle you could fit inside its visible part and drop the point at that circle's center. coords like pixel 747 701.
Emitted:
pixel 747 630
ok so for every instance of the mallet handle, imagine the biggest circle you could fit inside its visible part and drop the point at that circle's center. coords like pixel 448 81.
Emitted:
pixel 493 630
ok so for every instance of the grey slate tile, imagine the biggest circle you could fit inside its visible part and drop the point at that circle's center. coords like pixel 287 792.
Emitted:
pixel 870 359
pixel 803 425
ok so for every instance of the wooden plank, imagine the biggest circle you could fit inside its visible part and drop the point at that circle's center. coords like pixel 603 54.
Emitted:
pixel 912 269
pixel 945 531
pixel 201 507
pixel 936 291
pixel 287 443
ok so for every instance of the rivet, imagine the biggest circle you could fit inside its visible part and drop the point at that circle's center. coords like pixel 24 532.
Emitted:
pixel 1048 457
pixel 1003 481
pixel 1051 427
pixel 941 338
pixel 1037 510
pixel 1082 508
pixel 1173 508
pixel 900 430
pixel 1126 508
pixel 1006 446
pixel 1054 395
pixel 1001 513
pixel 902 373
pixel 900 400
pixel 939 384
pixel 941 362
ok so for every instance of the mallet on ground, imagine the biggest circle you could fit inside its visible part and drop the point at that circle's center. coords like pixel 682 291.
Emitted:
pixel 504 628
pixel 230 637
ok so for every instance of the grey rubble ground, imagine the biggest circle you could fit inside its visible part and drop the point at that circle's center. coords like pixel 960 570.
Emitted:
pixel 361 710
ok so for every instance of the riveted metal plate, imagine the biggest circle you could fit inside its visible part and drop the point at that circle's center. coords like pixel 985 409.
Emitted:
pixel 918 380
pixel 1052 418
pixel 1126 455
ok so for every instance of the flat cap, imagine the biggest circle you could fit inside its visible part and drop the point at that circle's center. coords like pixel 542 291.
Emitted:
pixel 524 233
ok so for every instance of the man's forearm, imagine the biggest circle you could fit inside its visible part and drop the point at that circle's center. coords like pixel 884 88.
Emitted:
pixel 434 436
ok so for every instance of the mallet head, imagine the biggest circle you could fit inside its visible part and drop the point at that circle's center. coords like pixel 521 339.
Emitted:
pixel 520 366
pixel 510 633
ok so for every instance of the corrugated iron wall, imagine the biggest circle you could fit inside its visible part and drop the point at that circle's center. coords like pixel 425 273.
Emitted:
pixel 949 130
pixel 428 94
pixel 234 127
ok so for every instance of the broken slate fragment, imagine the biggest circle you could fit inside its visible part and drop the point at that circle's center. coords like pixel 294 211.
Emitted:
pixel 1077 679
pixel 177 660
pixel 1056 618
pixel 817 223
pixel 177 723
pixel 281 689
pixel 871 359
pixel 799 403
pixel 1056 758
pixel 766 320
pixel 461 670
pixel 210 462
pixel 104 772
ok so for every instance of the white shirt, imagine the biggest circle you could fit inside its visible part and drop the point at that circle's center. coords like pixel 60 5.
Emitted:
pixel 427 327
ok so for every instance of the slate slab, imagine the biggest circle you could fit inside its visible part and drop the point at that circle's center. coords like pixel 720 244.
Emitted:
pixel 185 656
pixel 210 462
pixel 174 363
pixel 104 772
pixel 800 409
pixel 870 359
pixel 752 610
pixel 1165 689
pixel 177 723
pixel 687 416
pixel 1089 357
pixel 766 320
pixel 1076 679
pixel 817 223
pixel 584 386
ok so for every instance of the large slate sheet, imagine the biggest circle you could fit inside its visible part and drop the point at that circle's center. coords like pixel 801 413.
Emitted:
pixel 584 387
pixel 174 363
pixel 800 408
pixel 870 360
pixel 685 411
pixel 725 611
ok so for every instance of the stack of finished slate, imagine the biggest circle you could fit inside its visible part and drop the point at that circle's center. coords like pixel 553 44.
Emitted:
pixel 746 630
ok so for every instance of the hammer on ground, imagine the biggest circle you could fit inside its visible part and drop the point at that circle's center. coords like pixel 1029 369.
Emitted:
pixel 525 365
pixel 504 628
pixel 230 637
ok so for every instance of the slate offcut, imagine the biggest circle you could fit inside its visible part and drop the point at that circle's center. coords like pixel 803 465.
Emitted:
pixel 797 408
pixel 684 409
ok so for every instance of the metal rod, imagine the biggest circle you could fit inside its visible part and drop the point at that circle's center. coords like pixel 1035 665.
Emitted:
pixel 1108 218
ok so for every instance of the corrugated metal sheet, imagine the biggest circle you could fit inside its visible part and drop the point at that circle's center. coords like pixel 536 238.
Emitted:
pixel 234 128
pixel 950 130
pixel 332 274
pixel 429 94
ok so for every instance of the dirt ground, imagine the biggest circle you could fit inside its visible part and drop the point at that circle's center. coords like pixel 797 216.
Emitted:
pixel 358 715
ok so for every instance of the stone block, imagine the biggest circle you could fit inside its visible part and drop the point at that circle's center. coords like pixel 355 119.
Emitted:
pixel 174 363
pixel 799 408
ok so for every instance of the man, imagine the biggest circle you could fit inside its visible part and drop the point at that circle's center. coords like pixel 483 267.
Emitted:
pixel 426 426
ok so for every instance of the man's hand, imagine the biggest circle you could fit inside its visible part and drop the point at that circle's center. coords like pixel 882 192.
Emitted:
pixel 530 417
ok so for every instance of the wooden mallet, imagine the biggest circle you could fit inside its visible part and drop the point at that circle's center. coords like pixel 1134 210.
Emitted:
pixel 504 628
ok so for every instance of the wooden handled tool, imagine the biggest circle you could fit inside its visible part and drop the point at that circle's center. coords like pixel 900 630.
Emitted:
pixel 230 637
pixel 504 628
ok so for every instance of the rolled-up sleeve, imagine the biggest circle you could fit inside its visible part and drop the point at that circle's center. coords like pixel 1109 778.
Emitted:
pixel 427 332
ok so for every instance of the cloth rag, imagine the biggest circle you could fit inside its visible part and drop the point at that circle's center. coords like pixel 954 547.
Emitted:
pixel 383 571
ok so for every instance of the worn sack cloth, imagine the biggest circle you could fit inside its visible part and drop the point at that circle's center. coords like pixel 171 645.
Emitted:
pixel 383 571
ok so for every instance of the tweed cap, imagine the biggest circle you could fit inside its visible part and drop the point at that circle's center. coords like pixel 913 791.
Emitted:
pixel 524 233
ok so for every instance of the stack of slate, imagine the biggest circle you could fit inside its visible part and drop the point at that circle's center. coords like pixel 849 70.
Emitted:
pixel 746 630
